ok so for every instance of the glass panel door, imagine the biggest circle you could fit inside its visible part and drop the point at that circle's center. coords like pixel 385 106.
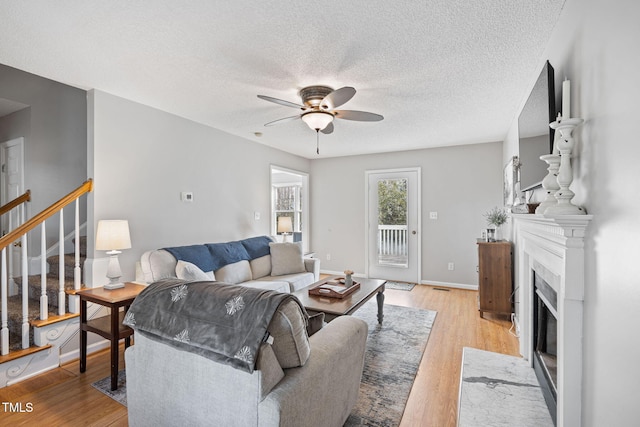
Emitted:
pixel 393 224
pixel 393 221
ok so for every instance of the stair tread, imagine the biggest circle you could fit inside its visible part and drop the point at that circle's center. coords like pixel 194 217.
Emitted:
pixel 18 353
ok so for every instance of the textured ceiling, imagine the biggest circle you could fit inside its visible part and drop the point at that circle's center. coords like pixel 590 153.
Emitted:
pixel 440 72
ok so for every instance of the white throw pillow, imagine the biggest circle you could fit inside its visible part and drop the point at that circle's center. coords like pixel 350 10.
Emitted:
pixel 286 258
pixel 188 271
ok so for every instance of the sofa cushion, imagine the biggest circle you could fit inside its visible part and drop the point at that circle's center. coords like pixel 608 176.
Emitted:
pixel 286 258
pixel 235 273
pixel 271 285
pixel 226 253
pixel 296 281
pixel 260 267
pixel 289 331
pixel 187 271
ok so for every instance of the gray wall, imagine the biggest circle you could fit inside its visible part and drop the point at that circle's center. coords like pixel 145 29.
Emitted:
pixel 461 183
pixel 595 46
pixel 54 128
pixel 142 159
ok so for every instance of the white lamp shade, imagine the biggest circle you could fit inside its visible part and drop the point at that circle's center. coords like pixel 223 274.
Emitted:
pixel 317 120
pixel 284 224
pixel 113 235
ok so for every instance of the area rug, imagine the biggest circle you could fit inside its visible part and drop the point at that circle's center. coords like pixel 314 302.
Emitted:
pixel 394 352
pixel 401 286
pixel 119 394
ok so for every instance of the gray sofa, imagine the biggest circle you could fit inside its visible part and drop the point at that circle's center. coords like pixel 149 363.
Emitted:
pixel 297 380
pixel 257 262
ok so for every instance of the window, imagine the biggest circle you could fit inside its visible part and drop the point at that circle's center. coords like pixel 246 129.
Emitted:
pixel 289 199
pixel 288 203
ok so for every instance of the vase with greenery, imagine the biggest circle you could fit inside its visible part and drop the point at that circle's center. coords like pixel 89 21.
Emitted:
pixel 496 217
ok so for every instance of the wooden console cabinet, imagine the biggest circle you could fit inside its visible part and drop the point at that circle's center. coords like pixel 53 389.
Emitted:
pixel 495 284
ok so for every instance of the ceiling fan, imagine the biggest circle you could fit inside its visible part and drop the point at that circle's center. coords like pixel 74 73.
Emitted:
pixel 319 105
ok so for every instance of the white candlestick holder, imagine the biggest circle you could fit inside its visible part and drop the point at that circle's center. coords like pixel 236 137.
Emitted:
pixel 564 144
pixel 550 182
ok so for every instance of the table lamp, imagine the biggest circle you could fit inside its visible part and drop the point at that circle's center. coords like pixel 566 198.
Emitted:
pixel 285 226
pixel 111 236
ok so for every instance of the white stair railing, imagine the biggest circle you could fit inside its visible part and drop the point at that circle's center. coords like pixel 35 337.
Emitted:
pixel 21 233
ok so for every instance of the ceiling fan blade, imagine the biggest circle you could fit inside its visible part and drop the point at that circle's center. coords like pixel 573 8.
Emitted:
pixel 360 116
pixel 280 101
pixel 279 121
pixel 328 129
pixel 338 97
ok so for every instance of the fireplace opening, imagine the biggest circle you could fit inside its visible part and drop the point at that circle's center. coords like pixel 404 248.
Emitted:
pixel 545 342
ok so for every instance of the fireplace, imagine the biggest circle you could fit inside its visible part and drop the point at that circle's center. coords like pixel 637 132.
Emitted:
pixel 549 261
pixel 545 341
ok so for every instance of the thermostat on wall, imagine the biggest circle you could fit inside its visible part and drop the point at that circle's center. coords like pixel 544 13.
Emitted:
pixel 186 196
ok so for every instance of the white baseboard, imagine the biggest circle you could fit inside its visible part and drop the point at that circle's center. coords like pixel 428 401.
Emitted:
pixel 92 348
pixel 449 285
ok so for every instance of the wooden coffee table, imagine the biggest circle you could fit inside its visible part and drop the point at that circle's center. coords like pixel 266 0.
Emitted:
pixel 334 307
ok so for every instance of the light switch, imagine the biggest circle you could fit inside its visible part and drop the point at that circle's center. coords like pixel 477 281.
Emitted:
pixel 256 215
pixel 186 196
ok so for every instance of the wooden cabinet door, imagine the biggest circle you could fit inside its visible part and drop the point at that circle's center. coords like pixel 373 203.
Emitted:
pixel 495 277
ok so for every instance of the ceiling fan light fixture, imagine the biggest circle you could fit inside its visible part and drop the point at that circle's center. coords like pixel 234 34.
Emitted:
pixel 317 120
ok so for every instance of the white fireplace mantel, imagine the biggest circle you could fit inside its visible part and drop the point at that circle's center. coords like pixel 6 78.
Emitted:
pixel 553 247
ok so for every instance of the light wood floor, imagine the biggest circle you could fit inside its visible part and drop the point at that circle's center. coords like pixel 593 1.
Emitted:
pixel 64 397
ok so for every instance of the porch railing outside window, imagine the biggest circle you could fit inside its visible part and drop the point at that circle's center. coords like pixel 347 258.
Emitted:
pixel 392 244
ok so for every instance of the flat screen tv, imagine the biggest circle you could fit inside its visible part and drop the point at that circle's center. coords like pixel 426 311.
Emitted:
pixel 535 135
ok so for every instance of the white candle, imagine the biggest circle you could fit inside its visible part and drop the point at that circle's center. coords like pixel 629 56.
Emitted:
pixel 566 99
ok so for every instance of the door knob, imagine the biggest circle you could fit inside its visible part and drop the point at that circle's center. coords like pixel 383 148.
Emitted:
pixel 414 232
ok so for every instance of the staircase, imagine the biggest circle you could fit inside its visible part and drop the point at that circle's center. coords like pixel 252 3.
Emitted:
pixel 35 291
pixel 37 333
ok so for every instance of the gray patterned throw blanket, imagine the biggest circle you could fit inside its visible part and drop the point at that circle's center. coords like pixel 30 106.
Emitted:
pixel 224 323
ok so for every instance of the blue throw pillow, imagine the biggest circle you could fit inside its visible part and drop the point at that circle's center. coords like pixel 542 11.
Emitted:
pixel 227 253
pixel 257 246
pixel 195 254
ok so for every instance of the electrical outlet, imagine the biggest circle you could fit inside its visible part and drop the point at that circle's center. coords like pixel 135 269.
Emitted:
pixel 186 196
pixel 328 257
pixel 433 215
pixel 450 266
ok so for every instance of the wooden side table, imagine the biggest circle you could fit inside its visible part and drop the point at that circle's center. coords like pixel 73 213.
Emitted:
pixel 109 327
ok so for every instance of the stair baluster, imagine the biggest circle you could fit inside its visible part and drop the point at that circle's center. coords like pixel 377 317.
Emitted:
pixel 61 298
pixel 4 332
pixel 44 299
pixel 24 262
pixel 74 300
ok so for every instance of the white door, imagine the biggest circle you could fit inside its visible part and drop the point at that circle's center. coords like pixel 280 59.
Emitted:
pixel 393 236
pixel 12 186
